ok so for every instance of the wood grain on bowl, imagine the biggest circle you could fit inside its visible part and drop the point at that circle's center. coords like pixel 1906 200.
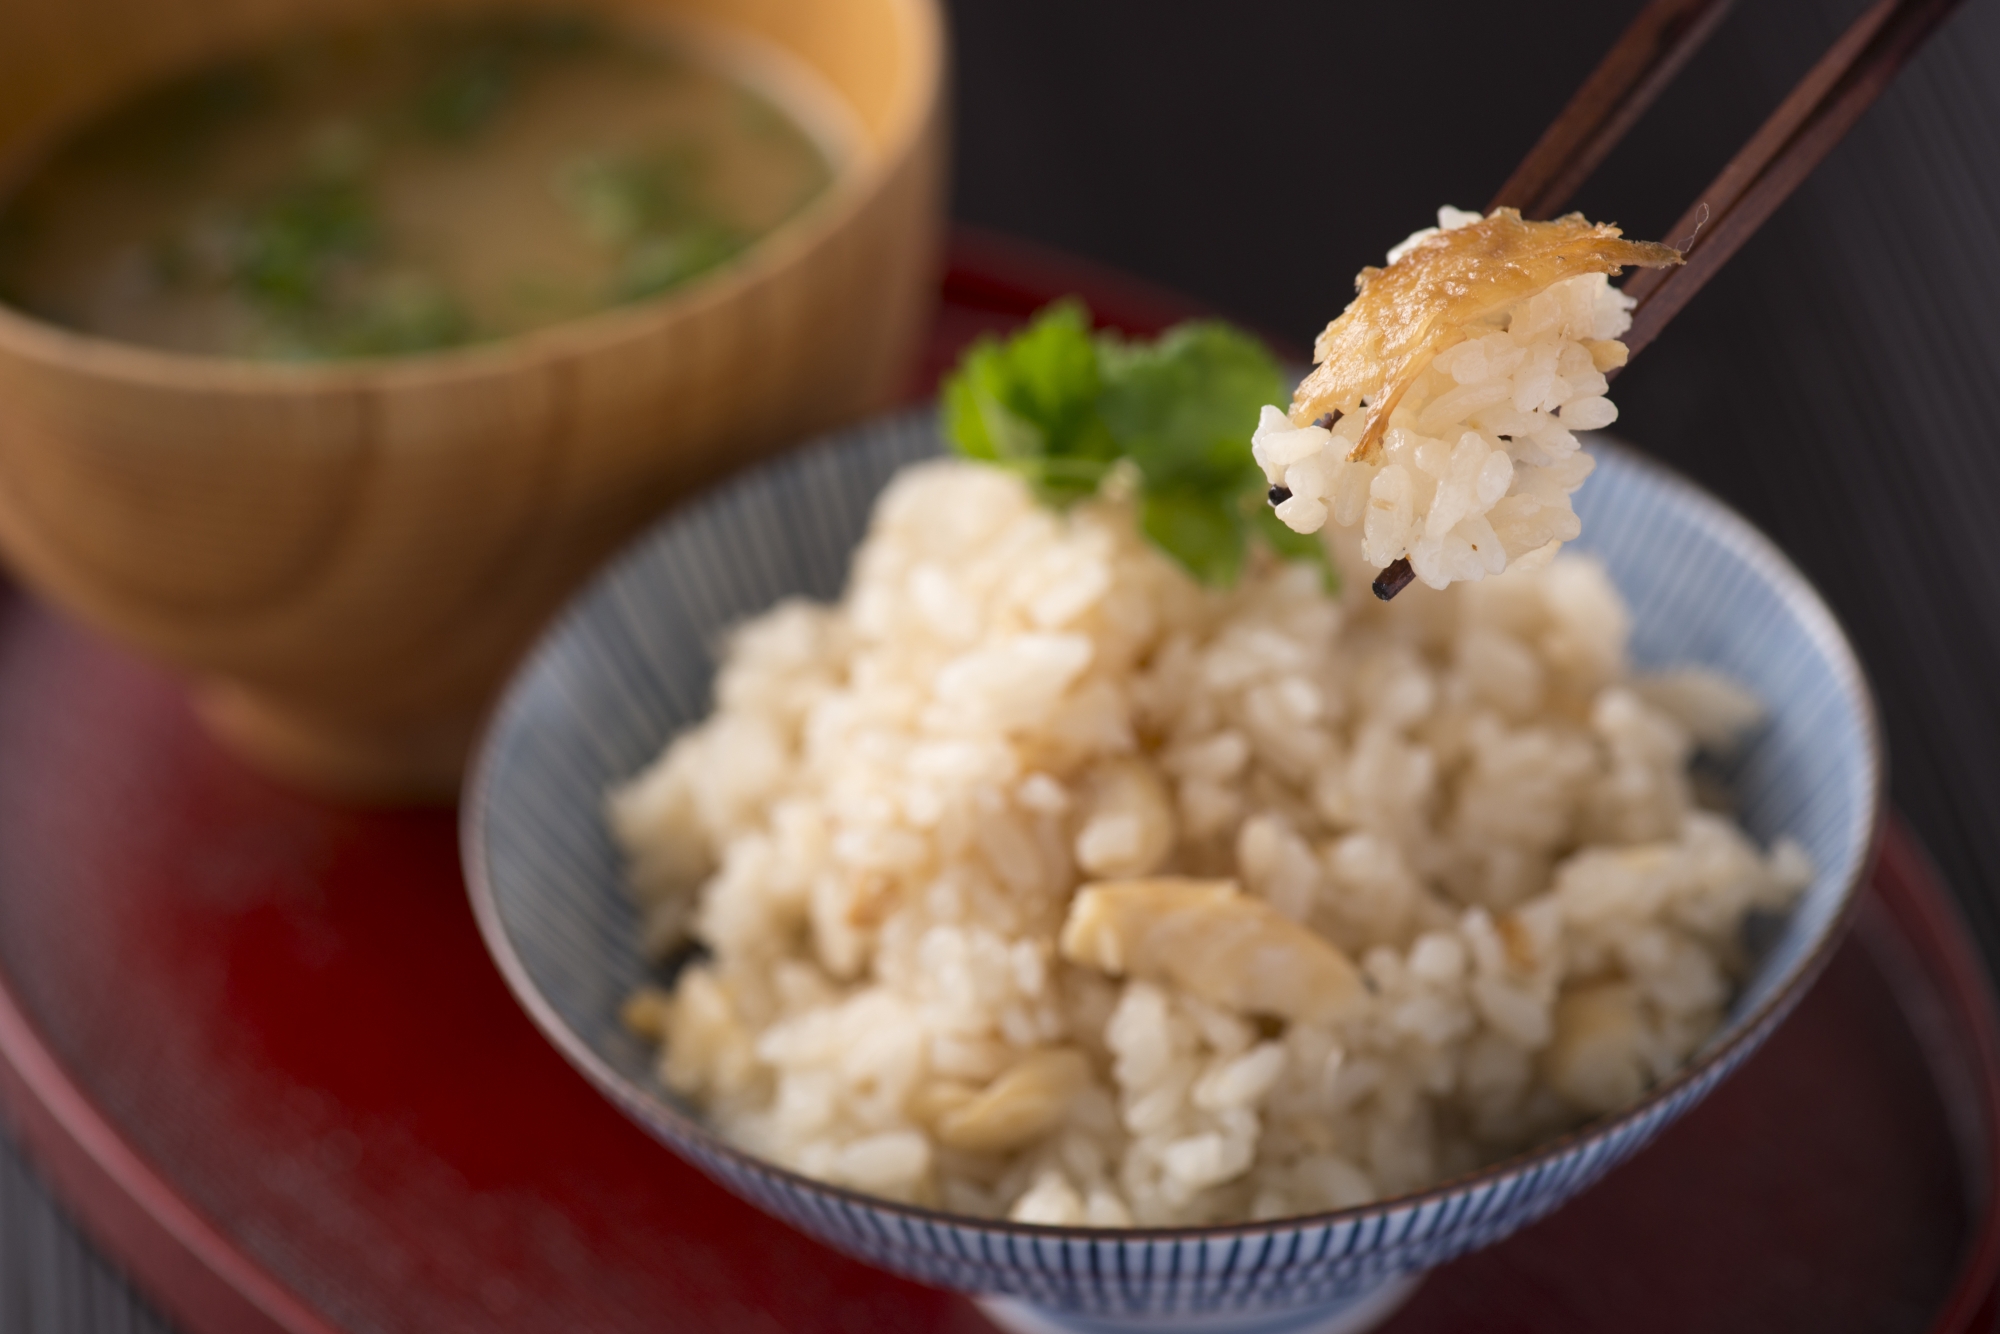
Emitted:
pixel 346 557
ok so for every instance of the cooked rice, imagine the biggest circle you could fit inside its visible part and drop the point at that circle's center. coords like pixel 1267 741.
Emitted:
pixel 1480 459
pixel 1375 894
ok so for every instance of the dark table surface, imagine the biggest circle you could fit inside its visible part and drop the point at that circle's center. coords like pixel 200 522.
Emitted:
pixel 1840 382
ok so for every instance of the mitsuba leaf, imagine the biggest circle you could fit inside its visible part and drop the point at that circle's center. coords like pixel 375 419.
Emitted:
pixel 1182 407
pixel 1030 404
pixel 1204 536
pixel 1061 406
pixel 976 420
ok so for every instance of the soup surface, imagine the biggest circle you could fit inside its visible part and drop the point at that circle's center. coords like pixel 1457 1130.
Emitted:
pixel 400 189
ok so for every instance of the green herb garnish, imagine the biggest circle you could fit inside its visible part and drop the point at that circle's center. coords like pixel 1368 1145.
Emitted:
pixel 1030 404
pixel 1063 407
pixel 652 209
pixel 291 244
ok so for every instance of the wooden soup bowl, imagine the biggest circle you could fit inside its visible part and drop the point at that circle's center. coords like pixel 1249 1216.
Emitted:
pixel 346 558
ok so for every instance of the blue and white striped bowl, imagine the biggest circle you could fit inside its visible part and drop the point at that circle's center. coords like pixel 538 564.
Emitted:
pixel 630 664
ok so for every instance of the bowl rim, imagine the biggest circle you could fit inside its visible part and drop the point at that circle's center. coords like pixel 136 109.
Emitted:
pixel 854 188
pixel 1747 1031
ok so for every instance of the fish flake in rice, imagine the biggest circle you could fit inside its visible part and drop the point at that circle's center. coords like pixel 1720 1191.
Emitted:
pixel 1441 416
pixel 1038 881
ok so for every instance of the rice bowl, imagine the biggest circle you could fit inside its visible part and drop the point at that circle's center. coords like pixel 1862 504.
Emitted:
pixel 631 665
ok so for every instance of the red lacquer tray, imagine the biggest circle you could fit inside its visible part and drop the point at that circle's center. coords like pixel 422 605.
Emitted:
pixel 254 1042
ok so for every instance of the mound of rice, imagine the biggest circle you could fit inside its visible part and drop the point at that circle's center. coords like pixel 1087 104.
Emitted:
pixel 1037 881
pixel 1480 458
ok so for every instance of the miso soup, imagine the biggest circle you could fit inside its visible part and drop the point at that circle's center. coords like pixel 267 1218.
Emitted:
pixel 405 188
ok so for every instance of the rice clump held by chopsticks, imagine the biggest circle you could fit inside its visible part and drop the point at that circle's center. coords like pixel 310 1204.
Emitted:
pixel 1469 467
pixel 1038 882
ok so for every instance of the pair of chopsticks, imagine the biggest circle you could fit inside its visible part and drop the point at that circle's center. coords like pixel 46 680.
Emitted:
pixel 1784 150
pixel 1782 153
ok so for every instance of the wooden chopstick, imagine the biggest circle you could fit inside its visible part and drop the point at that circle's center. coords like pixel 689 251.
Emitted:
pixel 1814 117
pixel 1644 60
pixel 1802 131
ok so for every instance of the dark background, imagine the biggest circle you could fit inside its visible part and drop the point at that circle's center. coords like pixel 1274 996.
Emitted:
pixel 1840 382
